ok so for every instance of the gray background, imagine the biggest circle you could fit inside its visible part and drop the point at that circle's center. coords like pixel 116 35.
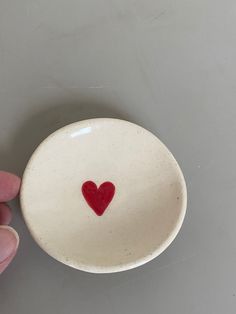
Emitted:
pixel 167 65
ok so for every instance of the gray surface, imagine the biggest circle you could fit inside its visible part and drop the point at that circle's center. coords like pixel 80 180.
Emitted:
pixel 167 65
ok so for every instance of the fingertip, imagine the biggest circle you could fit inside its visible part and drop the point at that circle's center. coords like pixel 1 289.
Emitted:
pixel 9 186
pixel 5 214
pixel 9 242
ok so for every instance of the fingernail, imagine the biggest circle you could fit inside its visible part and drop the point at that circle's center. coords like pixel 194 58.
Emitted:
pixel 9 241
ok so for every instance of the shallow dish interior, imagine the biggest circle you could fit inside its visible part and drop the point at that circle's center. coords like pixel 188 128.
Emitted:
pixel 144 215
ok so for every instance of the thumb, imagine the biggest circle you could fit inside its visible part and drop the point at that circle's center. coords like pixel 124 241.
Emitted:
pixel 9 241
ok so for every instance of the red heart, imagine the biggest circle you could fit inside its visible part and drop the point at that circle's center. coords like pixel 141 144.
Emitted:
pixel 98 198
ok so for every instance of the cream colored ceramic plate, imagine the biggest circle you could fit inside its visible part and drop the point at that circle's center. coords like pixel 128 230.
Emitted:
pixel 103 195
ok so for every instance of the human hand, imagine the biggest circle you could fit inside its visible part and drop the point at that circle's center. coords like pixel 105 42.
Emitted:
pixel 9 240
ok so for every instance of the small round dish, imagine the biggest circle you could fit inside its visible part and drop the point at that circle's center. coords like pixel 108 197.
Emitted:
pixel 103 195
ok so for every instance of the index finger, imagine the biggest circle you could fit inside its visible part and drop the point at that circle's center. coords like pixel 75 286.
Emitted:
pixel 9 186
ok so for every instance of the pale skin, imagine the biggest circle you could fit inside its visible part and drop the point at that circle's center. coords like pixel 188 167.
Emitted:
pixel 9 240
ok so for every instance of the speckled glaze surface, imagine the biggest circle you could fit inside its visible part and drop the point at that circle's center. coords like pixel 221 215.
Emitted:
pixel 140 221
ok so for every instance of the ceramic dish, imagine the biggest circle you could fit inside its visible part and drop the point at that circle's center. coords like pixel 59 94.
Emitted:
pixel 103 195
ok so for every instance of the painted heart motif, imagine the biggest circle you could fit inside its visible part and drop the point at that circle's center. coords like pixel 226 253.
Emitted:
pixel 98 198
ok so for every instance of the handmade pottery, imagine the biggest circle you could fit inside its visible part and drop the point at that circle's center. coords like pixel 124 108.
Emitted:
pixel 103 195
